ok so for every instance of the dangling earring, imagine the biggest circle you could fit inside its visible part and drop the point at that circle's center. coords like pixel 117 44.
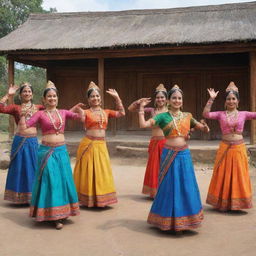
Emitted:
pixel 237 105
pixel 225 106
pixel 155 105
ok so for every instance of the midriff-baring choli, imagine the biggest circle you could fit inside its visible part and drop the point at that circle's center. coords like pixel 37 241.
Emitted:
pixel 15 111
pixel 98 121
pixel 231 126
pixel 175 128
pixel 46 124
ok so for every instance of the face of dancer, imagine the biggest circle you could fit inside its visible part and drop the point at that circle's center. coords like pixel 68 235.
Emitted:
pixel 51 99
pixel 160 100
pixel 176 101
pixel 26 95
pixel 94 99
pixel 231 102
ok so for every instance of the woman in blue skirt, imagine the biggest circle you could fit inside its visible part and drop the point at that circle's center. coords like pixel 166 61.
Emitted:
pixel 54 195
pixel 23 157
pixel 177 205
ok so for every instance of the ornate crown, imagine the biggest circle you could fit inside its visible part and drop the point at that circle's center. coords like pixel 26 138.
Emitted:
pixel 93 86
pixel 161 88
pixel 231 87
pixel 50 84
pixel 26 84
pixel 175 87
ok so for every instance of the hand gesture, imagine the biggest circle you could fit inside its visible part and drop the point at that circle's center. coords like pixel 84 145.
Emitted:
pixel 12 89
pixel 80 105
pixel 212 93
pixel 205 126
pixel 144 101
pixel 113 93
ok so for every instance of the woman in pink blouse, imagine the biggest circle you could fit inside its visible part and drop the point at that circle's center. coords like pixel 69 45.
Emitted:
pixel 54 196
pixel 230 187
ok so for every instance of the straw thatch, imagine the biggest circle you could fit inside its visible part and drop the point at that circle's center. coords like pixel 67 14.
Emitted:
pixel 88 30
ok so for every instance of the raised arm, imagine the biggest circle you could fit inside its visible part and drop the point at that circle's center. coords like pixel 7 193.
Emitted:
pixel 135 106
pixel 209 103
pixel 119 104
pixel 11 92
pixel 143 123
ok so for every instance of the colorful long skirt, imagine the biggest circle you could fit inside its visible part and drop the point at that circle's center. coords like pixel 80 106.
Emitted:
pixel 177 204
pixel 54 195
pixel 21 173
pixel 93 174
pixel 230 187
pixel 151 175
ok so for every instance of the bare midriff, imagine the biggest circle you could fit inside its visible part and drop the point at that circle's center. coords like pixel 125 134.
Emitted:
pixel 26 132
pixel 96 132
pixel 232 137
pixel 53 138
pixel 176 141
pixel 156 131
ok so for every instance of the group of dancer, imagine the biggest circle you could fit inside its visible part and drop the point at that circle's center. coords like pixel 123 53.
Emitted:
pixel 42 177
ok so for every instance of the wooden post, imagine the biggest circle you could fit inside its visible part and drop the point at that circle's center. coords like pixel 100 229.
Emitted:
pixel 11 100
pixel 253 94
pixel 101 79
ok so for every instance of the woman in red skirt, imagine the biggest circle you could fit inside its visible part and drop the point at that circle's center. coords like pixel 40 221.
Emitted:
pixel 156 143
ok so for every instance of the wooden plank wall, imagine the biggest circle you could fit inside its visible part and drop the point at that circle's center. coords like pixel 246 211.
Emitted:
pixel 137 77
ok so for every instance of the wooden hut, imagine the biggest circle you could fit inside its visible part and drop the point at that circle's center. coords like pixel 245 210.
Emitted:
pixel 133 51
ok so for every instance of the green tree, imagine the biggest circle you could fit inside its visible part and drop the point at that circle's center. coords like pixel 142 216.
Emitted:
pixel 12 14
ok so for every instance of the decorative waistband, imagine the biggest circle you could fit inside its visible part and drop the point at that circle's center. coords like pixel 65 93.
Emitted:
pixel 94 138
pixel 235 142
pixel 157 137
pixel 26 135
pixel 176 148
pixel 53 144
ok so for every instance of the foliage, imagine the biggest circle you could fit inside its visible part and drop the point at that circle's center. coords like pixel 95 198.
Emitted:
pixel 12 14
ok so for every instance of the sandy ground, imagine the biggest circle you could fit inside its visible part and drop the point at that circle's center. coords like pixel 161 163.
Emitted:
pixel 122 229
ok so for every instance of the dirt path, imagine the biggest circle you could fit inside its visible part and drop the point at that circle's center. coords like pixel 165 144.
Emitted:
pixel 122 229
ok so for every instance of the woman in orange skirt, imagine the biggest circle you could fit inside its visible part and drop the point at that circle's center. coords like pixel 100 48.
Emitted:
pixel 157 141
pixel 230 187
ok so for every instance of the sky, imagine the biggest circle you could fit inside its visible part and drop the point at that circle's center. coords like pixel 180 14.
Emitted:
pixel 118 5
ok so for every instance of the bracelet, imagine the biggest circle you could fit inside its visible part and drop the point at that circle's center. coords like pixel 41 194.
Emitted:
pixel 141 112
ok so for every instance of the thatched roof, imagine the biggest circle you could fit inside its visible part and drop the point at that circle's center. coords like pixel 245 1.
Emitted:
pixel 178 26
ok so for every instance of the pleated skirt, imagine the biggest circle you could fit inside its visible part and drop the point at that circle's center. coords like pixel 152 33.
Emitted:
pixel 93 174
pixel 230 186
pixel 150 183
pixel 177 204
pixel 21 171
pixel 54 194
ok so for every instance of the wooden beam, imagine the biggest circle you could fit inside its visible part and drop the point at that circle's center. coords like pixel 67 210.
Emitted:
pixel 101 79
pixel 253 94
pixel 48 55
pixel 11 101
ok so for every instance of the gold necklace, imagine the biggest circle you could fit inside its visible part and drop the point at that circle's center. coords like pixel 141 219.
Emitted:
pixel 176 118
pixel 57 129
pixel 232 117
pixel 29 109
pixel 99 117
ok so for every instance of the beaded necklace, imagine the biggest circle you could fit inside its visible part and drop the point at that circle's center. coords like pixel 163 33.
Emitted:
pixel 176 118
pixel 99 116
pixel 29 109
pixel 57 129
pixel 232 118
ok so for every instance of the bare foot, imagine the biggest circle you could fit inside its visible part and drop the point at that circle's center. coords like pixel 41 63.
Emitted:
pixel 58 225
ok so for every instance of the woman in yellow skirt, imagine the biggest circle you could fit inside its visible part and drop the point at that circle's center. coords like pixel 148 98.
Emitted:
pixel 93 174
pixel 230 187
